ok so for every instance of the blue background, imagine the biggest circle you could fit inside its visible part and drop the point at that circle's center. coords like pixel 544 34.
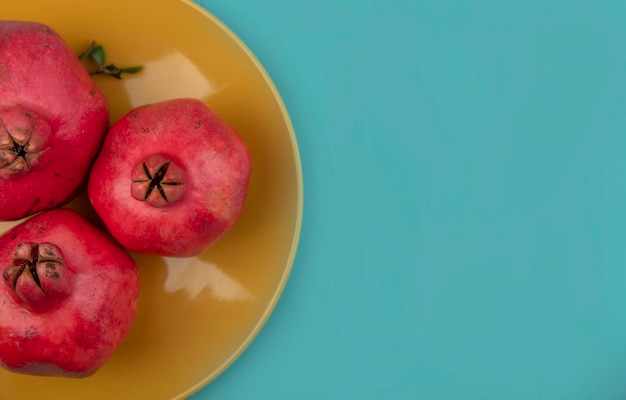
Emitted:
pixel 465 200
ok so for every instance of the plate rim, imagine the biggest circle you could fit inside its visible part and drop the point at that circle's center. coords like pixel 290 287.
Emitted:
pixel 295 227
pixel 299 206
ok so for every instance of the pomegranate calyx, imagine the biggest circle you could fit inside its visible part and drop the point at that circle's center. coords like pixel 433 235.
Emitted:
pixel 158 181
pixel 38 273
pixel 23 139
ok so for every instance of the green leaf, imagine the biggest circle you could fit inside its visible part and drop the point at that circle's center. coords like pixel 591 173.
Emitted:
pixel 132 70
pixel 98 55
pixel 88 51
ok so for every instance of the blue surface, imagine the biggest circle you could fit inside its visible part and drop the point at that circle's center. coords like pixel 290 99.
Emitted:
pixel 465 209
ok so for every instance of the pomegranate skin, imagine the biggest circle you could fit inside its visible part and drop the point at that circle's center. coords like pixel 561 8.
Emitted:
pixel 171 178
pixel 52 120
pixel 90 298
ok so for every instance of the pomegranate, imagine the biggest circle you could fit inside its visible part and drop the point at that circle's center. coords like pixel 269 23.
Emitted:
pixel 52 120
pixel 68 298
pixel 171 178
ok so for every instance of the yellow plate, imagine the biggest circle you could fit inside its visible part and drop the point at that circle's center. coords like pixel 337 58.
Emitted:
pixel 196 315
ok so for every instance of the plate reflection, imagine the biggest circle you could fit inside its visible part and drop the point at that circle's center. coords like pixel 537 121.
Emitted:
pixel 194 275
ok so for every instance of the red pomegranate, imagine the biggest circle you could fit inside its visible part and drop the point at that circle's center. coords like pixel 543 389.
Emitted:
pixel 52 120
pixel 171 178
pixel 68 299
